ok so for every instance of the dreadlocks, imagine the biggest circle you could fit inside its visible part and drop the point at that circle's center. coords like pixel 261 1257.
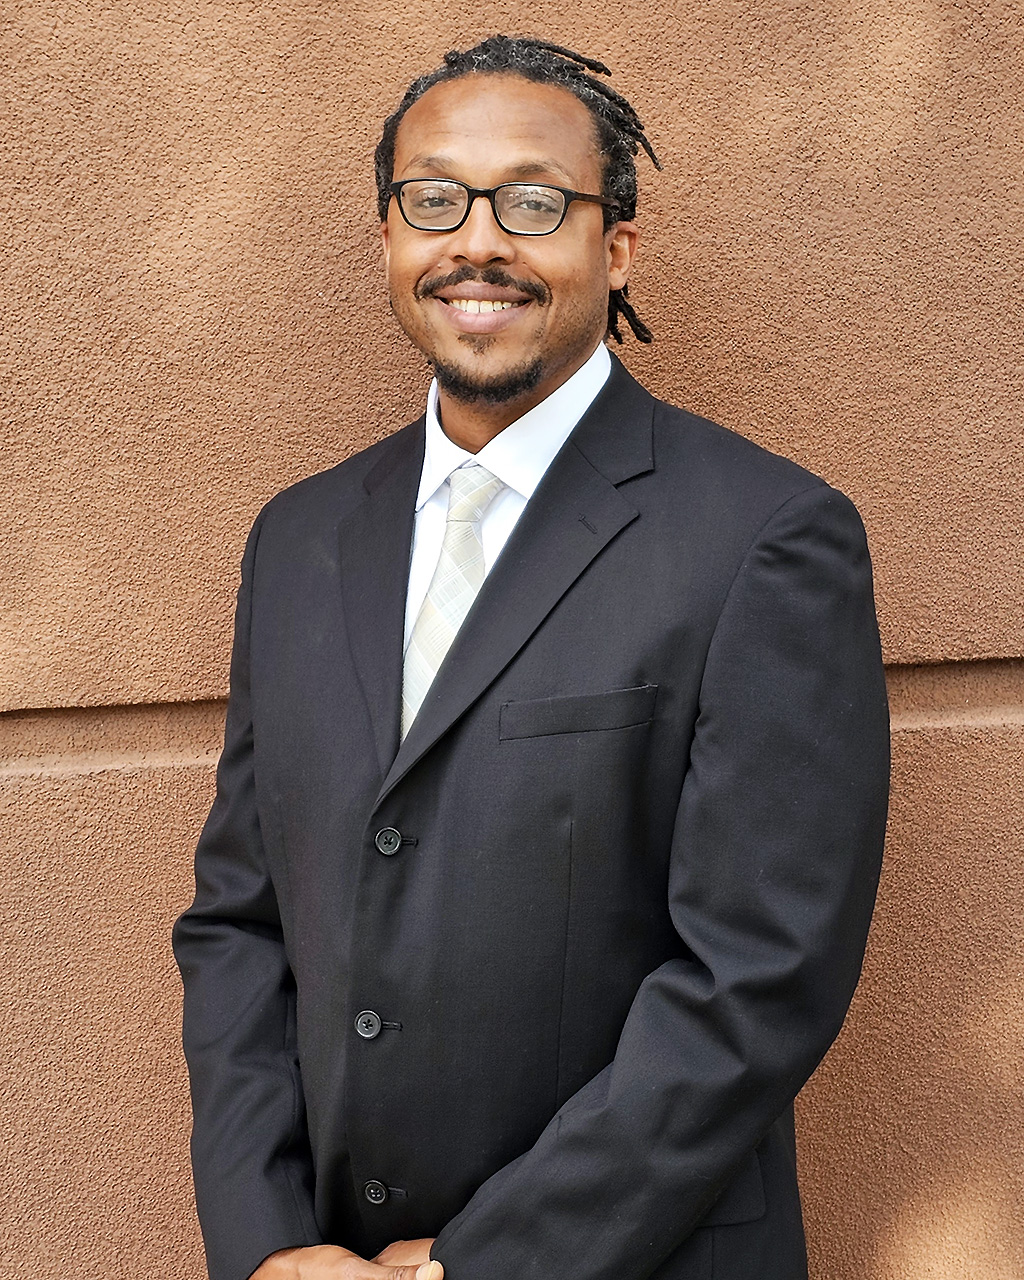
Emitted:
pixel 620 134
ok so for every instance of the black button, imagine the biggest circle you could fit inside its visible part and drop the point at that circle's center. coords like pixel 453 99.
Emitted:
pixel 376 1192
pixel 368 1024
pixel 388 840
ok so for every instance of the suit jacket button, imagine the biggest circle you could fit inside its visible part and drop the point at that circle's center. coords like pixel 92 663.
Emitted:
pixel 376 1192
pixel 368 1025
pixel 388 841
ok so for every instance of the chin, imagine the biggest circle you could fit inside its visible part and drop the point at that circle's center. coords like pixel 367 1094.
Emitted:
pixel 499 388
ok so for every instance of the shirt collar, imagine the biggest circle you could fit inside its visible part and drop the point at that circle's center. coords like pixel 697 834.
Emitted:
pixel 519 455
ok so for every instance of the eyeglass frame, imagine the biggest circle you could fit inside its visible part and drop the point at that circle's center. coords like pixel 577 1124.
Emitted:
pixel 489 193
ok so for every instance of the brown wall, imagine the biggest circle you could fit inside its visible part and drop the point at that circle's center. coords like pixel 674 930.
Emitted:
pixel 194 317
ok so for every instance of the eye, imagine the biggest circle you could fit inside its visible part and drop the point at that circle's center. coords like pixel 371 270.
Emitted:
pixel 539 201
pixel 432 204
pixel 425 198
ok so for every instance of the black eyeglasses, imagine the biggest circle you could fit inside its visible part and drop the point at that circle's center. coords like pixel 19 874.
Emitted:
pixel 520 208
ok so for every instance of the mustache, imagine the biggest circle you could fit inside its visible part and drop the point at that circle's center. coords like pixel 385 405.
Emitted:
pixel 497 276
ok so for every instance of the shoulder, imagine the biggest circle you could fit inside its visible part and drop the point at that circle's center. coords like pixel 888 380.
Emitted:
pixel 689 450
pixel 713 488
pixel 738 475
pixel 727 465
pixel 328 497
pixel 706 474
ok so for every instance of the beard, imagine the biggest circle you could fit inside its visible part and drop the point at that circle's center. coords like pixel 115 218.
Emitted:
pixel 499 389
pixel 458 378
pixel 462 384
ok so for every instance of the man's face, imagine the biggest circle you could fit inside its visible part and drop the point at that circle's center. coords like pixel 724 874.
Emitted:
pixel 486 130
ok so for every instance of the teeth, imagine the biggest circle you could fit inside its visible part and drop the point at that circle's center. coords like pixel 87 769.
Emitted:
pixel 475 305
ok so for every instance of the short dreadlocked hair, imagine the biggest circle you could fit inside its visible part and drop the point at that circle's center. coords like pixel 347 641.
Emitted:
pixel 620 134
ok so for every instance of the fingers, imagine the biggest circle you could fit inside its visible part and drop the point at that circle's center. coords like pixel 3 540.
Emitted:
pixel 425 1271
pixel 405 1253
pixel 354 1268
pixel 328 1262
pixel 408 1271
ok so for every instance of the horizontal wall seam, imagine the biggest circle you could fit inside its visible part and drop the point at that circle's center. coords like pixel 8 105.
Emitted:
pixel 81 765
pixel 56 742
pixel 994 718
pixel 949 695
pixel 88 740
pixel 84 765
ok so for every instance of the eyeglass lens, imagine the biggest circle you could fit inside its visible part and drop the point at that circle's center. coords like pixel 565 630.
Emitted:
pixel 522 208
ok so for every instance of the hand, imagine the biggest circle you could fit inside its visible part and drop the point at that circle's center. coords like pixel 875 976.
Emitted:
pixel 407 1252
pixel 328 1262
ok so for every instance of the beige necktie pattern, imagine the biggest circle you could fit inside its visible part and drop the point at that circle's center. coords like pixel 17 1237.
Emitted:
pixel 453 588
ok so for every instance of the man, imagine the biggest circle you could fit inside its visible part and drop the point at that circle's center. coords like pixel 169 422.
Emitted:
pixel 550 812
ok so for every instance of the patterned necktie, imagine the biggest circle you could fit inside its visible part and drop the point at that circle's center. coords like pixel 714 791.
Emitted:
pixel 453 588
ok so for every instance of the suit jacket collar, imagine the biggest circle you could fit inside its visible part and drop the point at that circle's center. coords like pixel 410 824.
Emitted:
pixel 374 560
pixel 575 512
pixel 520 455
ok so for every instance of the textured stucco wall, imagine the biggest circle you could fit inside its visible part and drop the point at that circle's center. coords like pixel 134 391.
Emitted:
pixel 193 316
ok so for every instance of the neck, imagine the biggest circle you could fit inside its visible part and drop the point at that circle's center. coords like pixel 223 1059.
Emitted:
pixel 473 423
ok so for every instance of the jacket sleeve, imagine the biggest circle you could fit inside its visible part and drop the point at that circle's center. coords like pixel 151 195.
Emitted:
pixel 250 1150
pixel 774 865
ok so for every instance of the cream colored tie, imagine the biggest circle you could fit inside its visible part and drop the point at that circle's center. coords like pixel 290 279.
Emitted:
pixel 453 588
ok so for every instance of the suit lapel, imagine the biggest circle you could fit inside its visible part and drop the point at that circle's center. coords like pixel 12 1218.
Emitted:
pixel 575 512
pixel 375 545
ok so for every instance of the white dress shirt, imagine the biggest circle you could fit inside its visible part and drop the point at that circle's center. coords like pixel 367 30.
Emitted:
pixel 517 456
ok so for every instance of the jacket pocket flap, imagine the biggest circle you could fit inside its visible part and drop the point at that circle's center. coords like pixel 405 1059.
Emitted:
pixel 742 1200
pixel 578 713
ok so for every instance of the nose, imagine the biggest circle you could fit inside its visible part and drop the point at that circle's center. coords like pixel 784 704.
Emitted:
pixel 480 239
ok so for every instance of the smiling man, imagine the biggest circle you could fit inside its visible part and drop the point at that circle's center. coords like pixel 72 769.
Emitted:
pixel 552 800
pixel 518 308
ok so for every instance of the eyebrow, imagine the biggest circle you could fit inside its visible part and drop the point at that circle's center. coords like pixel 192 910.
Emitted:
pixel 443 165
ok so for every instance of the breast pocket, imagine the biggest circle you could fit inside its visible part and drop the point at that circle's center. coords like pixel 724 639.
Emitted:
pixel 577 713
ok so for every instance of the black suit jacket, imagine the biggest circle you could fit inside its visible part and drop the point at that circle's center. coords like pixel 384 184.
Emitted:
pixel 640 818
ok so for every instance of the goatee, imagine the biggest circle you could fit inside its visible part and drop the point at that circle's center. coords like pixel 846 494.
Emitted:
pixel 467 389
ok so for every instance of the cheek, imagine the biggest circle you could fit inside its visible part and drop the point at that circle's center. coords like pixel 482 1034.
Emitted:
pixel 586 290
pixel 408 261
pixel 584 275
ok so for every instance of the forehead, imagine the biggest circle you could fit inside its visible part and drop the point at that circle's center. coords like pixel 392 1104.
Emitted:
pixel 499 124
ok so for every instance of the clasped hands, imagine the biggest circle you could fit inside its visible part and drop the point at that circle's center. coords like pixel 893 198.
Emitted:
pixel 403 1260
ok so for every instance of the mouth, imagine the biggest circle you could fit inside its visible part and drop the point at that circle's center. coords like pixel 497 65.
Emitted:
pixel 487 302
pixel 472 307
pixel 482 306
pixel 466 316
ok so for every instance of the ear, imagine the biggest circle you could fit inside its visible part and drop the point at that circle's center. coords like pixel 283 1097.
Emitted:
pixel 620 245
pixel 385 242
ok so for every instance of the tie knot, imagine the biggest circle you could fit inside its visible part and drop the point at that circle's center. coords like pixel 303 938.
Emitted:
pixel 472 490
